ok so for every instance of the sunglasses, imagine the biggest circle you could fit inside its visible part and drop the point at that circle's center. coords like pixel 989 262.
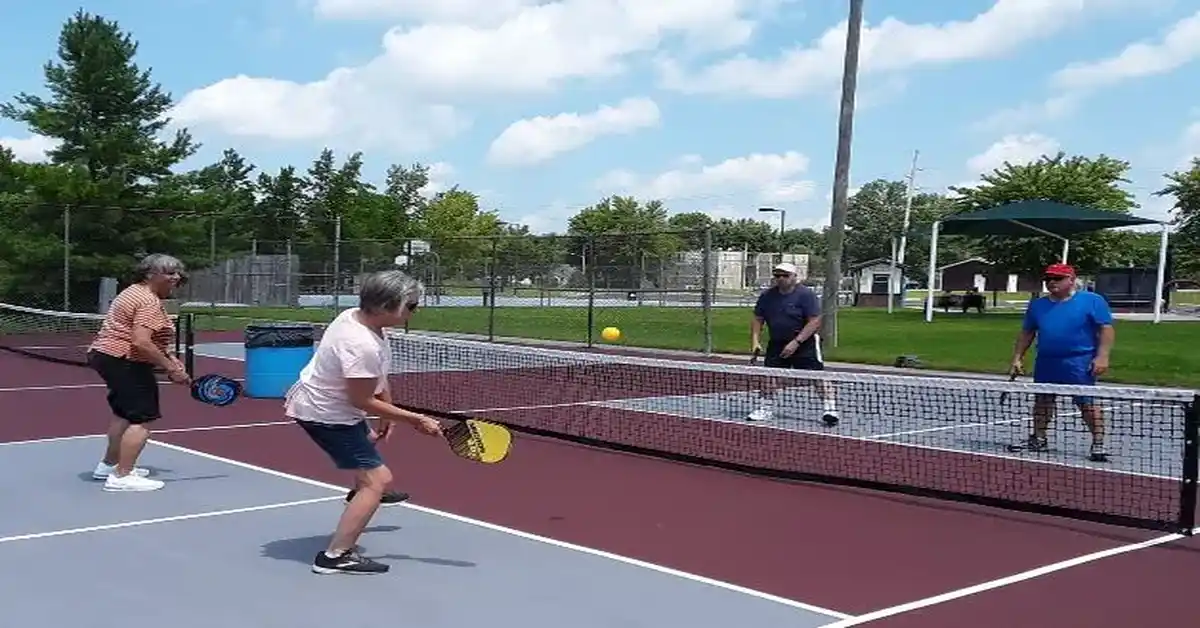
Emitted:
pixel 1053 278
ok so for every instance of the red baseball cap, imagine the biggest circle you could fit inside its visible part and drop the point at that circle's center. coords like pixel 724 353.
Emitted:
pixel 1059 270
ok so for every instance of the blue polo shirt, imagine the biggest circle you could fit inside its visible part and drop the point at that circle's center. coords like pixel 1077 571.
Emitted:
pixel 786 314
pixel 1069 328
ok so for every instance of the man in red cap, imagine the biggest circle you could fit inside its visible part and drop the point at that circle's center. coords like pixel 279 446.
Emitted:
pixel 1074 332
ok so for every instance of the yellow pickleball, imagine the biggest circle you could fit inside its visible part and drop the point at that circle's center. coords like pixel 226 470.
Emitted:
pixel 610 333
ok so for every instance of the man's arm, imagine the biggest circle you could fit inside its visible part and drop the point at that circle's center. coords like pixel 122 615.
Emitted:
pixel 1102 315
pixel 1027 334
pixel 756 323
pixel 812 317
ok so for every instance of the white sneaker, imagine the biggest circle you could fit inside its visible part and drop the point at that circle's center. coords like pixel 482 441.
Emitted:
pixel 102 471
pixel 131 482
pixel 761 414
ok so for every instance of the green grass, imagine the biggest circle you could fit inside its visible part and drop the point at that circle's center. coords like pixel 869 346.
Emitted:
pixel 1145 353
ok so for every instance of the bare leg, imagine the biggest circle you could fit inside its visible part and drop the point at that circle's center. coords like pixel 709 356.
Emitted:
pixel 116 431
pixel 370 485
pixel 133 441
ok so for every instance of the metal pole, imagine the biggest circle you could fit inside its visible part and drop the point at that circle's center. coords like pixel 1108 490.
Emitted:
pixel 212 259
pixel 891 277
pixel 782 218
pixel 66 259
pixel 908 199
pixel 709 290
pixel 492 291
pixel 288 270
pixel 337 265
pixel 1160 279
pixel 589 247
pixel 841 176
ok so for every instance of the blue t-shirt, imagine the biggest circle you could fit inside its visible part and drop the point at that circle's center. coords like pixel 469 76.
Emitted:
pixel 1067 328
pixel 786 314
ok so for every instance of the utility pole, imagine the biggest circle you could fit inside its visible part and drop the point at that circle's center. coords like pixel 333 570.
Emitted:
pixel 898 252
pixel 841 176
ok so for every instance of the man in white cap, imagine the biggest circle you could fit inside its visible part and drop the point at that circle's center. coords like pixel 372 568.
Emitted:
pixel 791 313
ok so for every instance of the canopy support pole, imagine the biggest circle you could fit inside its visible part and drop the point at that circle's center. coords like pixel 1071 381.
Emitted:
pixel 1162 274
pixel 1066 248
pixel 933 253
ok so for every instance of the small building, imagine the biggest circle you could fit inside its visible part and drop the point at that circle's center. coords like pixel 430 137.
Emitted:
pixel 982 275
pixel 871 282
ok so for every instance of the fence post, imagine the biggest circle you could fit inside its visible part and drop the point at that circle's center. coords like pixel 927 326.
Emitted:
pixel 337 265
pixel 709 289
pixel 287 290
pixel 589 249
pixel 491 293
pixel 67 258
pixel 212 260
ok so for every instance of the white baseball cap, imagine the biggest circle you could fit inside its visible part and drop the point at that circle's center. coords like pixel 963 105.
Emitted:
pixel 786 267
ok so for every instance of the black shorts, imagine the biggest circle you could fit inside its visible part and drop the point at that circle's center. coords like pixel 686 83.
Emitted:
pixel 805 358
pixel 132 387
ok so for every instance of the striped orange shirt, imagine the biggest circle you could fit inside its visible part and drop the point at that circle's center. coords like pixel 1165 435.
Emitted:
pixel 134 306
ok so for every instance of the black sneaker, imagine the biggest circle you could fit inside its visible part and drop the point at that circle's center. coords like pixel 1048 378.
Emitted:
pixel 1035 444
pixel 349 562
pixel 390 498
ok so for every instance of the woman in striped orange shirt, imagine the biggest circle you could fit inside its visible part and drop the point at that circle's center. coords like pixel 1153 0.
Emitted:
pixel 136 337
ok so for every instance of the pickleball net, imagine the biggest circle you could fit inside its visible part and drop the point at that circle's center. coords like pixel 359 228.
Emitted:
pixel 53 335
pixel 942 438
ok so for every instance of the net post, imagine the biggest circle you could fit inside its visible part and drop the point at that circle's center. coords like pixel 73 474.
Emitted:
pixel 189 343
pixel 1191 467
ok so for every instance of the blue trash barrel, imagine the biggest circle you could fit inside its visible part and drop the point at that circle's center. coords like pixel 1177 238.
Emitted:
pixel 275 355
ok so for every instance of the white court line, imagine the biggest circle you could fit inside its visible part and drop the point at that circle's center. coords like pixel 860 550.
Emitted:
pixel 1001 582
pixel 341 490
pixel 605 404
pixel 145 522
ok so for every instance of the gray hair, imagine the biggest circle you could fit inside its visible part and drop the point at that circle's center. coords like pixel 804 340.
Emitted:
pixel 387 290
pixel 158 263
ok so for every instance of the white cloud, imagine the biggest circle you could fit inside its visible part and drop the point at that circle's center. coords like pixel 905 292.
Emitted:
pixel 1178 46
pixel 440 176
pixel 771 178
pixel 891 46
pixel 1014 149
pixel 32 148
pixel 534 140
pixel 409 94
pixel 473 11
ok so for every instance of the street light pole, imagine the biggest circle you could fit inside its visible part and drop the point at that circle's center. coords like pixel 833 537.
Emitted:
pixel 782 219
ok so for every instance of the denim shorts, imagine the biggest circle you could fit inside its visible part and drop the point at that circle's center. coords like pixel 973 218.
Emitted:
pixel 349 446
pixel 1074 370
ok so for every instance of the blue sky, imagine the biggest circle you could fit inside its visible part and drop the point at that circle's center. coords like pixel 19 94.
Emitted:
pixel 544 107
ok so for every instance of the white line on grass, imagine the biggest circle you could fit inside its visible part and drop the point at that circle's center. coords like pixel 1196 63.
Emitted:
pixel 341 490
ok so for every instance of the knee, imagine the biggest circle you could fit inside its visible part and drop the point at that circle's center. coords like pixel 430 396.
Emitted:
pixel 377 478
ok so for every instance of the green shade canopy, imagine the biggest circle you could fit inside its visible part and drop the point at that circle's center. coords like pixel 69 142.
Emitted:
pixel 1026 218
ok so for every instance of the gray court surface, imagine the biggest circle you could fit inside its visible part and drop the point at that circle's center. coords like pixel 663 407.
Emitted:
pixel 226 545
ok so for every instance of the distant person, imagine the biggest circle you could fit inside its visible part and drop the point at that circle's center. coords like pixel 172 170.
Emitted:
pixel 1075 335
pixel 791 313
pixel 345 382
pixel 134 338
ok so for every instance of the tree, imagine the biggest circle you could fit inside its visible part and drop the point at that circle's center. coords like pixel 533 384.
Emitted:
pixel 106 115
pixel 1184 186
pixel 875 217
pixel 1077 180
pixel 619 235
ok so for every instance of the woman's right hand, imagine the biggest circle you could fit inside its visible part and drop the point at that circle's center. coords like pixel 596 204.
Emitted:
pixel 179 376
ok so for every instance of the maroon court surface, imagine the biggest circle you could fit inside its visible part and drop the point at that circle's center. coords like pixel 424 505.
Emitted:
pixel 848 550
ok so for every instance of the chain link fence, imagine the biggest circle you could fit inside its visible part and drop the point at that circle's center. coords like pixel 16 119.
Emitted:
pixel 658 288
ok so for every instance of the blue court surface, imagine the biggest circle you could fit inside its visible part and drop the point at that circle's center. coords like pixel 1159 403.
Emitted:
pixel 229 544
